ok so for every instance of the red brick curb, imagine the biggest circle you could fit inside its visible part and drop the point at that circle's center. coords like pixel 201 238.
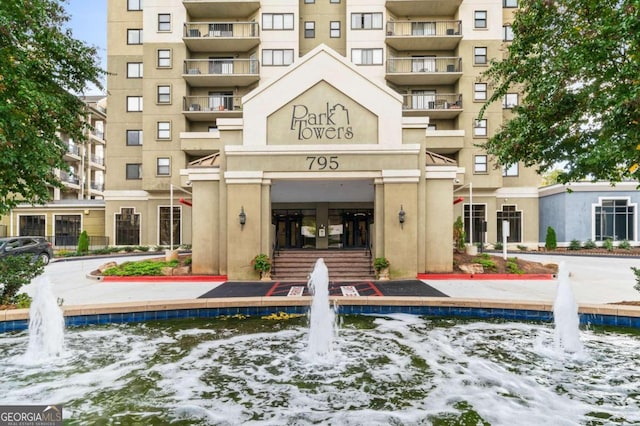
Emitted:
pixel 486 276
pixel 167 278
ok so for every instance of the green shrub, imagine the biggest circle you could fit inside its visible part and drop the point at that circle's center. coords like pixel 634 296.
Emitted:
pixel 575 245
pixel 16 271
pixel 458 233
pixel 589 244
pixel 608 244
pixel 102 251
pixel 22 300
pixel 380 263
pixel 129 249
pixel 142 268
pixel 142 248
pixel 486 261
pixel 512 266
pixel 637 272
pixel 522 248
pixel 624 245
pixel 158 248
pixel 550 242
pixel 261 263
pixel 83 243
pixel 187 261
pixel 498 246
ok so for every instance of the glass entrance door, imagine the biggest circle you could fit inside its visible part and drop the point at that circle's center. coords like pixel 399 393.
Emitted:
pixel 295 228
pixel 356 229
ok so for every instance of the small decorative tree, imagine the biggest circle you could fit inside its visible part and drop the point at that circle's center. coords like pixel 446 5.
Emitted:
pixel 381 265
pixel 550 242
pixel 459 234
pixel 83 243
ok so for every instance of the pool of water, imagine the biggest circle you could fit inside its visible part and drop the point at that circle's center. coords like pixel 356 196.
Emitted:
pixel 392 370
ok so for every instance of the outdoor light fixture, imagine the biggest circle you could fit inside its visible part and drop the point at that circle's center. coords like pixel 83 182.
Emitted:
pixel 242 216
pixel 401 215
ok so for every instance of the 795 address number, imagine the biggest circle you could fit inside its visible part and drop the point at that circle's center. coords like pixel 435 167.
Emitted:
pixel 323 163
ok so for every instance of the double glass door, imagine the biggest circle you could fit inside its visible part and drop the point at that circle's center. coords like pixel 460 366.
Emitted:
pixel 295 228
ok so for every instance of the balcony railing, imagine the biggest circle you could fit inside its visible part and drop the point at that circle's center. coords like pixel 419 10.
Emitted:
pixel 424 65
pixel 97 160
pixel 441 105
pixel 97 187
pixel 73 149
pixel 424 28
pixel 208 107
pixel 221 36
pixel 194 67
pixel 69 178
pixel 98 134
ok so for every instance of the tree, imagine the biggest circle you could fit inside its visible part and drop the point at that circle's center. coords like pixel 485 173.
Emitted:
pixel 551 242
pixel 578 65
pixel 41 67
pixel 83 243
pixel 16 271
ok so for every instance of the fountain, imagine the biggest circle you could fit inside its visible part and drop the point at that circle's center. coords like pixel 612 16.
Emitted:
pixel 565 316
pixel 321 316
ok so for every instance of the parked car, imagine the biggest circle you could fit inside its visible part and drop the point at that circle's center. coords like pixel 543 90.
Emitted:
pixel 38 247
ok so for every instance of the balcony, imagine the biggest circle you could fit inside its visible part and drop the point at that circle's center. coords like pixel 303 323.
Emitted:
pixel 221 72
pixel 69 179
pixel 73 152
pixel 200 143
pixel 97 187
pixel 221 36
pixel 423 7
pixel 445 141
pixel 208 108
pixel 221 8
pixel 97 135
pixel 424 70
pixel 424 35
pixel 97 161
pixel 435 106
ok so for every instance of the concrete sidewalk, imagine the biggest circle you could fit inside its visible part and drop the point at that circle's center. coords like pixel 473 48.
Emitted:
pixel 594 280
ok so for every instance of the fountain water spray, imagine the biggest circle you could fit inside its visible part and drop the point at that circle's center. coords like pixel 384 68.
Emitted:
pixel 565 315
pixel 46 323
pixel 322 315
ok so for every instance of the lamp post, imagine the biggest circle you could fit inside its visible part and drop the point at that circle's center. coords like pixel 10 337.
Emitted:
pixel 470 185
pixel 171 186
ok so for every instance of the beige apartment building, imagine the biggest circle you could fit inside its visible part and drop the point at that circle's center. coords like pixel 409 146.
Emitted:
pixel 260 126
pixel 79 204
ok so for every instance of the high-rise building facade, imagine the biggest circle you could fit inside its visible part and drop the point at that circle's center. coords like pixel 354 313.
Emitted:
pixel 292 124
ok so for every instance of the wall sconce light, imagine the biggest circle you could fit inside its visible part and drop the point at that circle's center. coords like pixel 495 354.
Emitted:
pixel 242 216
pixel 401 215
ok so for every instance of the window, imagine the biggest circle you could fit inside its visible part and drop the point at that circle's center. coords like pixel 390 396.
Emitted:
pixel 164 22
pixel 277 57
pixel 134 103
pixel 134 137
pixel 309 29
pixel 134 171
pixel 277 21
pixel 510 171
pixel 615 220
pixel 480 91
pixel 480 19
pixel 514 217
pixel 366 56
pixel 134 36
pixel 164 94
pixel 163 166
pixel 479 215
pixel 509 3
pixel 507 33
pixel 67 230
pixel 334 29
pixel 480 164
pixel 510 100
pixel 127 227
pixel 366 21
pixel 480 55
pixel 32 225
pixel 164 58
pixel 164 224
pixel 163 130
pixel 134 69
pixel 309 1
pixel 480 128
pixel 134 4
pixel 334 1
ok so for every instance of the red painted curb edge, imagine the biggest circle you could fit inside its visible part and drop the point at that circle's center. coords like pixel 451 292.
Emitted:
pixel 167 278
pixel 486 277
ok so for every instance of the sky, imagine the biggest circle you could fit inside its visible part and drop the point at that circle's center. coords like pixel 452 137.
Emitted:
pixel 89 24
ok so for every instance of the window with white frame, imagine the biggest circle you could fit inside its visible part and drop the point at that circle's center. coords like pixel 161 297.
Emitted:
pixel 507 33
pixel 164 58
pixel 134 69
pixel 510 100
pixel 164 94
pixel 366 56
pixel 163 130
pixel 134 4
pixel 163 166
pixel 480 19
pixel 127 224
pixel 134 171
pixel 334 1
pixel 309 29
pixel 514 217
pixel 277 21
pixel 134 137
pixel 134 103
pixel 164 22
pixel 480 128
pixel 509 3
pixel 366 21
pixel 480 164
pixel 334 29
pixel 134 36
pixel 614 219
pixel 511 170
pixel 480 91
pixel 277 57
pixel 309 1
pixel 480 55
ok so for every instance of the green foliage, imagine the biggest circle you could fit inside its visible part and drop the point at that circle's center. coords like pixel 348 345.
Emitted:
pixel 22 300
pixel 498 245
pixel 188 261
pixel 636 271
pixel 83 243
pixel 380 263
pixel 41 68
pixel 577 63
pixel 589 244
pixel 522 247
pixel 141 268
pixel 512 266
pixel 550 242
pixel 261 263
pixel 129 249
pixel 624 245
pixel 575 245
pixel 486 261
pixel 16 271
pixel 142 248
pixel 608 244
pixel 458 233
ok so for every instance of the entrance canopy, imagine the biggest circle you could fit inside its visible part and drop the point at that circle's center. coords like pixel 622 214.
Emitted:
pixel 285 191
